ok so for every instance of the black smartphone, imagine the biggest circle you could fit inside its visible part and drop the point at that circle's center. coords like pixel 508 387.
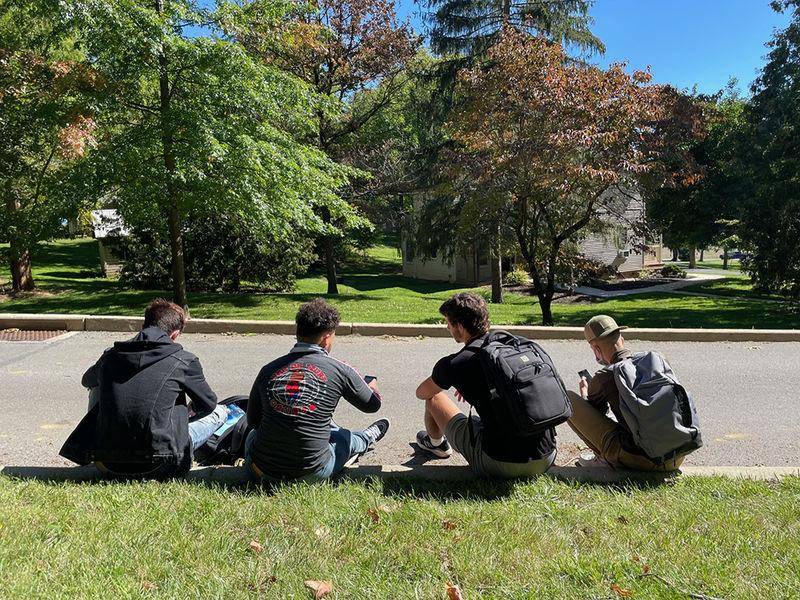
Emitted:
pixel 585 374
pixel 369 378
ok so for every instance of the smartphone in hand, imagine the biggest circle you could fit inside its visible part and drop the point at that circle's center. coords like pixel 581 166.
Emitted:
pixel 369 378
pixel 585 374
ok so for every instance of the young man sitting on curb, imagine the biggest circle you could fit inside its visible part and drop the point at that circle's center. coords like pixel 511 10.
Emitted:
pixel 292 403
pixel 138 422
pixel 486 444
pixel 613 441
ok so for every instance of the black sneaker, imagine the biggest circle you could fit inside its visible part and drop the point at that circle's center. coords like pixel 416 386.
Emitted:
pixel 443 450
pixel 377 430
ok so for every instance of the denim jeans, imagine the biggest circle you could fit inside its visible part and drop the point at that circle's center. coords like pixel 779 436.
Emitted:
pixel 344 445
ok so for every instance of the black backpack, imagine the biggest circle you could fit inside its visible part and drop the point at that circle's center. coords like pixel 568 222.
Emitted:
pixel 227 447
pixel 527 395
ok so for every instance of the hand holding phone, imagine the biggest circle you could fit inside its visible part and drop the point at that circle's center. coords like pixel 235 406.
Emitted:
pixel 369 378
pixel 585 374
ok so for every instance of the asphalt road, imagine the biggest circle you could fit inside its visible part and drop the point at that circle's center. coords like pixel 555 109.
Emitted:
pixel 746 393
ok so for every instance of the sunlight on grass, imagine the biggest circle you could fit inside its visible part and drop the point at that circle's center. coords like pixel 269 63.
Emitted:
pixel 735 539
pixel 373 290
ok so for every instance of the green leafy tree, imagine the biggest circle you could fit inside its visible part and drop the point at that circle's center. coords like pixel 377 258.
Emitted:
pixel 471 27
pixel 770 220
pixel 46 124
pixel 194 126
pixel 704 211
pixel 340 49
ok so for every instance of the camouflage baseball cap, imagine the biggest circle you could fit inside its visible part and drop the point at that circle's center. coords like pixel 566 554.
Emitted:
pixel 600 326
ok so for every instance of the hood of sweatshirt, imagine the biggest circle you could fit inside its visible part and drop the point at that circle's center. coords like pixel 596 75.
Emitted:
pixel 148 347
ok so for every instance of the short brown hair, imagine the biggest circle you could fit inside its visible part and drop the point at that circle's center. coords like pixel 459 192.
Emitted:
pixel 468 310
pixel 165 315
pixel 315 318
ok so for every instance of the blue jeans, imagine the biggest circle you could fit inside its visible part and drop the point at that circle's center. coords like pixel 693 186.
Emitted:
pixel 203 428
pixel 344 445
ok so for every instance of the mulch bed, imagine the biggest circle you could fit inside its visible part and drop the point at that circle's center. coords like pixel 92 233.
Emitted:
pixel 23 335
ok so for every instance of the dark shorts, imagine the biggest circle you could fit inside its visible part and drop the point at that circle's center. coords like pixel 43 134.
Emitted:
pixel 458 434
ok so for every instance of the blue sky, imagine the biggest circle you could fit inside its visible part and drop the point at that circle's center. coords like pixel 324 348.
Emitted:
pixel 685 42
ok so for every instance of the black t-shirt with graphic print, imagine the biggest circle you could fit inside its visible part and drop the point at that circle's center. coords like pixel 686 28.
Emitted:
pixel 291 406
pixel 464 372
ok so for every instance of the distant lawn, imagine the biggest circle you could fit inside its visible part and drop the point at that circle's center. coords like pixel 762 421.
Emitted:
pixel 404 540
pixel 373 290
pixel 736 285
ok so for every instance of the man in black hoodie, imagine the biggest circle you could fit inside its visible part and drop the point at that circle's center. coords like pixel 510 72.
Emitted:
pixel 139 420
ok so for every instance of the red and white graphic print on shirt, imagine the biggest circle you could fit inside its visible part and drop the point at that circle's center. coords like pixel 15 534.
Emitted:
pixel 295 388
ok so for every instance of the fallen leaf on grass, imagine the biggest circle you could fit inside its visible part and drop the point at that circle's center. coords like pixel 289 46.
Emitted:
pixel 453 592
pixel 620 591
pixel 320 588
pixel 322 531
pixel 448 524
pixel 646 569
pixel 623 520
pixel 373 514
pixel 256 547
pixel 148 585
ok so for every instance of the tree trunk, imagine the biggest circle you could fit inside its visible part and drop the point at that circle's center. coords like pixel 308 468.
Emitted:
pixel 725 259
pixel 545 304
pixel 330 265
pixel 19 255
pixel 674 255
pixel 496 256
pixel 174 216
pixel 702 253
pixel 178 268
pixel 692 257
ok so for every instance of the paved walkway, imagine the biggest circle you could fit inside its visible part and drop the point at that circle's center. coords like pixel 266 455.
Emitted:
pixel 745 391
pixel 695 276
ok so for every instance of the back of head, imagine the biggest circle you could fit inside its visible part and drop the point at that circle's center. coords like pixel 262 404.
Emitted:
pixel 468 310
pixel 314 319
pixel 165 315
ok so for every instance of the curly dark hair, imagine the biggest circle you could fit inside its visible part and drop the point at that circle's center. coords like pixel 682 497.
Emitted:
pixel 468 310
pixel 315 318
pixel 165 315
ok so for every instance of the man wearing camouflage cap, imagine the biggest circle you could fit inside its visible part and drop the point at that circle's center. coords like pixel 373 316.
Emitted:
pixel 611 441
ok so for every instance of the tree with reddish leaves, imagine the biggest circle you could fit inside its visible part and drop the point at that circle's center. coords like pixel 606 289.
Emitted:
pixel 342 49
pixel 563 144
pixel 46 124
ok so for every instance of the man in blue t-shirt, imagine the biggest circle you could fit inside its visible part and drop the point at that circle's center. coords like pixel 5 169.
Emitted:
pixel 486 445
pixel 292 403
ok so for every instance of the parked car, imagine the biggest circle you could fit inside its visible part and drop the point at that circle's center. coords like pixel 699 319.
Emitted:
pixel 736 254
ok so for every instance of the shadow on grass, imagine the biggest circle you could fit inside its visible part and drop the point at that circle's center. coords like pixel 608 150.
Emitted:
pixel 442 483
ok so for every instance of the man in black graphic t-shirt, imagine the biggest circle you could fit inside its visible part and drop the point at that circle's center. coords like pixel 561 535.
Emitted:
pixel 488 448
pixel 292 402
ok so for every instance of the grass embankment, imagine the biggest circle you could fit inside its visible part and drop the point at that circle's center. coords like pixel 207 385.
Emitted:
pixel 373 290
pixel 729 539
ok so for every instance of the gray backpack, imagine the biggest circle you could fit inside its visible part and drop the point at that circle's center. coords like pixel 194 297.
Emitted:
pixel 658 410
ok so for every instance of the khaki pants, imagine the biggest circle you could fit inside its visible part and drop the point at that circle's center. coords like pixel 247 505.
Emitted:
pixel 604 436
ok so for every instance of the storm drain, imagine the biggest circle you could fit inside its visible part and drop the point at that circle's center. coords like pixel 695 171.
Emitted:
pixel 26 335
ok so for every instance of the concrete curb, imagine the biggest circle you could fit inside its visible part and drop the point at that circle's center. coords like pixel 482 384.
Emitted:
pixel 130 324
pixel 237 475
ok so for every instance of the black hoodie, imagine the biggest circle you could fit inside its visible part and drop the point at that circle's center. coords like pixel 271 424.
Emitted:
pixel 141 419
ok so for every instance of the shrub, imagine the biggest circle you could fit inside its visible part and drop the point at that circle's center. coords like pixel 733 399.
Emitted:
pixel 517 277
pixel 673 271
pixel 221 253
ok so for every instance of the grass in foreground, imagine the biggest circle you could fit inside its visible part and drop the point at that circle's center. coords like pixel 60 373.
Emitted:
pixel 395 539
pixel 373 291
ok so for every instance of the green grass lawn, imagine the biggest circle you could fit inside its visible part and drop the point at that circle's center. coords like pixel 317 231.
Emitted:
pixel 396 539
pixel 736 285
pixel 67 273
